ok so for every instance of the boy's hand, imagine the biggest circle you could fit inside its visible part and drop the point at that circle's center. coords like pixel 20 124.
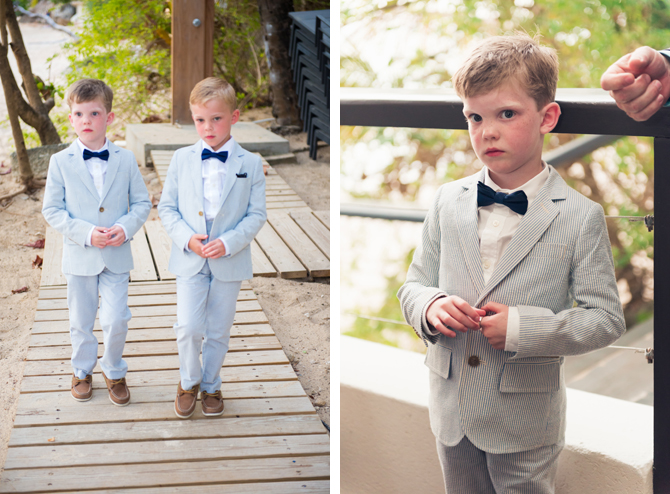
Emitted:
pixel 195 244
pixel 99 237
pixel 494 327
pixel 116 236
pixel 214 249
pixel 453 312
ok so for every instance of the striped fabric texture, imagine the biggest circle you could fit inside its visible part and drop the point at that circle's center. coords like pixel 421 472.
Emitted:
pixel 558 270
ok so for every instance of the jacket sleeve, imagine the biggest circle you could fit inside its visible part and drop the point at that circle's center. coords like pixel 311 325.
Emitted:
pixel 138 201
pixel 421 287
pixel 55 212
pixel 168 208
pixel 597 318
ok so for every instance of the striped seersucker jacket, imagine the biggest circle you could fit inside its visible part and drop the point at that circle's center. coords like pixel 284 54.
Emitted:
pixel 558 270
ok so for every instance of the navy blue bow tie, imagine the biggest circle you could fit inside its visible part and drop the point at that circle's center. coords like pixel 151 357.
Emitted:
pixel 103 155
pixel 516 201
pixel 222 156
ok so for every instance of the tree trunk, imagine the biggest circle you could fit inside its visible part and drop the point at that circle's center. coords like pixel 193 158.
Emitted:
pixel 36 112
pixel 277 34
pixel 25 171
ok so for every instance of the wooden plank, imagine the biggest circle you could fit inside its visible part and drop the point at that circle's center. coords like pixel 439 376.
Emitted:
pixel 138 289
pixel 99 410
pixel 160 243
pixel 282 198
pixel 158 362
pixel 280 255
pixel 171 429
pixel 248 303
pixel 237 342
pixel 52 273
pixel 140 349
pixel 324 217
pixel 315 230
pixel 310 256
pixel 166 451
pixel 144 269
pixel 35 384
pixel 284 205
pixel 165 474
pixel 63 325
pixel 260 262
pixel 58 315
pixel 302 486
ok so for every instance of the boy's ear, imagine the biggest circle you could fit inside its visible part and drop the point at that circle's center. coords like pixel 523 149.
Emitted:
pixel 110 118
pixel 551 112
pixel 236 116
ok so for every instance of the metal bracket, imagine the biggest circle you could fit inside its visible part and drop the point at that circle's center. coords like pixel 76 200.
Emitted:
pixel 649 353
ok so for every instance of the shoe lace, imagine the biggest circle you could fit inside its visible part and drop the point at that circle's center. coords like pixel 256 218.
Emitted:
pixel 187 391
pixel 215 394
pixel 87 379
pixel 113 382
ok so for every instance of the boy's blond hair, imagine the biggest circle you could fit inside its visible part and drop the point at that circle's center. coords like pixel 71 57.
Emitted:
pixel 85 90
pixel 211 88
pixel 508 59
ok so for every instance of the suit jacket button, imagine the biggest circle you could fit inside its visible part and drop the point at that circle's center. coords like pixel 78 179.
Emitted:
pixel 200 213
pixel 474 361
pixel 102 210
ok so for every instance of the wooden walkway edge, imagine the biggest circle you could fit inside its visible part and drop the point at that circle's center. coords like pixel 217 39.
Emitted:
pixel 269 440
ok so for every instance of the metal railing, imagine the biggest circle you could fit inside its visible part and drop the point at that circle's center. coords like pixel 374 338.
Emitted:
pixel 583 111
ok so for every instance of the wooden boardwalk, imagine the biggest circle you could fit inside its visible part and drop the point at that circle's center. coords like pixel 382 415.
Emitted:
pixel 269 440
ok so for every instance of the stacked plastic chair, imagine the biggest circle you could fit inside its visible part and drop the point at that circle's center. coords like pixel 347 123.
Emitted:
pixel 310 61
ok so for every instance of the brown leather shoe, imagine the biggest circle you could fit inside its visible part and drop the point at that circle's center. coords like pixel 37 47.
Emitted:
pixel 82 389
pixel 184 404
pixel 118 391
pixel 212 403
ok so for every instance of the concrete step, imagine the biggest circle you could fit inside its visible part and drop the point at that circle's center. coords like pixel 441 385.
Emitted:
pixel 141 139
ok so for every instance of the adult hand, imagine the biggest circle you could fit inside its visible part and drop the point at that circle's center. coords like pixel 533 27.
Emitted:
pixel 494 327
pixel 452 312
pixel 195 244
pixel 639 82
pixel 116 236
pixel 214 250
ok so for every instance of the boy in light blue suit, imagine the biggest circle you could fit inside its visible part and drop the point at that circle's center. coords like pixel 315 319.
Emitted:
pixel 96 198
pixel 212 206
pixel 513 272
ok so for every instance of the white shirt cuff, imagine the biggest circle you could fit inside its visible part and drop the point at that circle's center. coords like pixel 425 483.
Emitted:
pixel 88 239
pixel 513 324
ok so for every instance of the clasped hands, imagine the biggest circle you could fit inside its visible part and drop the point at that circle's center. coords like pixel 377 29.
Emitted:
pixel 451 313
pixel 107 237
pixel 211 250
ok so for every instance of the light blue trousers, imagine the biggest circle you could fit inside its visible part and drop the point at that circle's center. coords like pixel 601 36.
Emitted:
pixel 82 301
pixel 469 470
pixel 205 314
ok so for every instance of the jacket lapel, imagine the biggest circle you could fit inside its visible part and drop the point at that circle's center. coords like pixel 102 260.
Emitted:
pixel 468 232
pixel 112 167
pixel 540 215
pixel 79 167
pixel 195 167
pixel 234 163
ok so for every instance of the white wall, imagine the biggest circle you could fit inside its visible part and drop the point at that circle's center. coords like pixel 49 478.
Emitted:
pixel 386 445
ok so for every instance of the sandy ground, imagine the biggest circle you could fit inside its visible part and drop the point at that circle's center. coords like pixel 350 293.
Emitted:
pixel 298 310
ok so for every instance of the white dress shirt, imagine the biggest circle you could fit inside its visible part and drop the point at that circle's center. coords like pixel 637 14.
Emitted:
pixel 497 225
pixel 98 169
pixel 214 173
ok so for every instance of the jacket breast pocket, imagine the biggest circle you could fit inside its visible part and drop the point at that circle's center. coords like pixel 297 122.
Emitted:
pixel 546 249
pixel 519 377
pixel 438 359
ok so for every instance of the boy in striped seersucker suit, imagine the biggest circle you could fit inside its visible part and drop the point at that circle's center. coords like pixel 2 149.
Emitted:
pixel 514 271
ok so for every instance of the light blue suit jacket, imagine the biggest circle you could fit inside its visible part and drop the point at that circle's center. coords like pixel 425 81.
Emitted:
pixel 557 269
pixel 72 206
pixel 241 212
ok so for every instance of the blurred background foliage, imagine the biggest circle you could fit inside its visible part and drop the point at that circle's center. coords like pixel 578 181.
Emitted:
pixel 420 44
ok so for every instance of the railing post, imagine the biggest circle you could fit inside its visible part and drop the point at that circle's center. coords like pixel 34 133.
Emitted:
pixel 661 333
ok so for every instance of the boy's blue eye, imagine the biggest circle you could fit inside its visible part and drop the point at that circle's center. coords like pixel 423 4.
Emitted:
pixel 508 113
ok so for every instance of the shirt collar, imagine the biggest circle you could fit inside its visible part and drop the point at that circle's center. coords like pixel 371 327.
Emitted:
pixel 228 146
pixel 530 188
pixel 82 146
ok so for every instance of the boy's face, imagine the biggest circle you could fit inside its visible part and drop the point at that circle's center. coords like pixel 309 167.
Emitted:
pixel 213 121
pixel 90 120
pixel 507 131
